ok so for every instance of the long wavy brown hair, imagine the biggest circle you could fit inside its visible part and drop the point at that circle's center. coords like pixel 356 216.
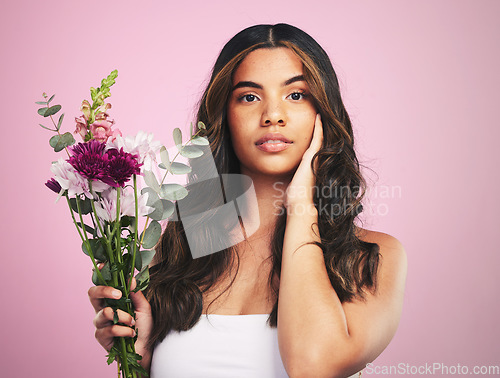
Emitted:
pixel 178 281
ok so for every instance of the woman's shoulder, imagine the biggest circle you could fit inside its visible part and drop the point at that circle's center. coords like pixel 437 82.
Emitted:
pixel 390 248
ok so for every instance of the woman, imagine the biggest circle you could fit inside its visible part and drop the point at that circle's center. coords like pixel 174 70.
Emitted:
pixel 273 112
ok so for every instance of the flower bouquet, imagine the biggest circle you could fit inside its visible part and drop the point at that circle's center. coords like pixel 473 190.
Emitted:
pixel 117 221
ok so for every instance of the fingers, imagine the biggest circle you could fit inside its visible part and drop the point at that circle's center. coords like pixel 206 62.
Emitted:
pixel 317 139
pixel 106 331
pixel 98 293
pixel 104 318
pixel 106 335
pixel 140 302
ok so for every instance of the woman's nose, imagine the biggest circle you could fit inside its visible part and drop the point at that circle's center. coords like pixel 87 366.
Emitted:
pixel 273 114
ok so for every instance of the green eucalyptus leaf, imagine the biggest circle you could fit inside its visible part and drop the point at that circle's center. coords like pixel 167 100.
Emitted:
pixel 59 142
pixel 89 229
pixel 177 134
pixel 59 123
pixel 85 205
pixel 41 102
pixel 52 110
pixel 173 192
pixel 200 141
pixel 46 127
pixel 164 157
pixel 162 166
pixel 142 279
pixel 147 257
pixel 127 221
pixel 201 125
pixel 97 249
pixel 143 259
pixel 106 273
pixel 157 213
pixel 151 181
pixel 51 98
pixel 42 111
pixel 190 152
pixel 152 235
pixel 168 208
pixel 179 168
pixel 152 196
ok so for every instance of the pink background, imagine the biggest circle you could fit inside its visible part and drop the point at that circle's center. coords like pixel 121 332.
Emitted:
pixel 420 80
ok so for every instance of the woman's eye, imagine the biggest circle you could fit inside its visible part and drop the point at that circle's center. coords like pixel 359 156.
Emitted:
pixel 248 98
pixel 296 96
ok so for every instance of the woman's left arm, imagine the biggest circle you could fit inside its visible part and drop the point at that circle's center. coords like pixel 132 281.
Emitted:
pixel 318 335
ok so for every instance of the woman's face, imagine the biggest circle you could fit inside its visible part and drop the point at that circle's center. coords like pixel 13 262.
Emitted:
pixel 270 100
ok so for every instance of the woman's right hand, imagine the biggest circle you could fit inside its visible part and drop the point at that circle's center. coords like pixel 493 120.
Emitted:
pixel 106 330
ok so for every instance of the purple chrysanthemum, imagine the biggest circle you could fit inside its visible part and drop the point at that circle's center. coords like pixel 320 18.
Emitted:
pixel 113 167
pixel 122 165
pixel 53 185
pixel 90 160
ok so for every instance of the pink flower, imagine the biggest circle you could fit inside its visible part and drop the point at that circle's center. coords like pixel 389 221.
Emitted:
pixel 101 129
pixel 69 179
pixel 81 127
pixel 106 205
pixel 85 109
pixel 142 144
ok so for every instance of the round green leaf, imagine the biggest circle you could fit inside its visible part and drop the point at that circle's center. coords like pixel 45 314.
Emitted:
pixel 142 279
pixel 106 273
pixel 164 157
pixel 173 192
pixel 42 111
pixel 190 152
pixel 151 181
pixel 179 168
pixel 177 134
pixel 153 233
pixel 143 259
pixel 200 141
pixel 168 208
pixel 52 110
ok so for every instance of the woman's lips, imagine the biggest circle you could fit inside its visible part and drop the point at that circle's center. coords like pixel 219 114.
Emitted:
pixel 273 147
pixel 273 142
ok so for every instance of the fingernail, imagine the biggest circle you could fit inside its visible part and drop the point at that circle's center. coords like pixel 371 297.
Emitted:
pixel 132 322
pixel 116 293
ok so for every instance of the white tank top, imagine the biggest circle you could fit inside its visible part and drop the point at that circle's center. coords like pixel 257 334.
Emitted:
pixel 221 346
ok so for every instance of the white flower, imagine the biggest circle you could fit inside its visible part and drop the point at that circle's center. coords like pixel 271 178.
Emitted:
pixel 70 179
pixel 106 205
pixel 143 145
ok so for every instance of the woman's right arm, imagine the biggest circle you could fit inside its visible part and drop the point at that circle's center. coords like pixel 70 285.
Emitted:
pixel 106 330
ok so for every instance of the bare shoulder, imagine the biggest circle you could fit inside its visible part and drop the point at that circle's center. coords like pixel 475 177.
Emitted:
pixel 392 252
pixel 388 244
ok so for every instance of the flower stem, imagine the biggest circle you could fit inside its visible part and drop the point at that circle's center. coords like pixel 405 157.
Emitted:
pixel 132 269
pixel 84 237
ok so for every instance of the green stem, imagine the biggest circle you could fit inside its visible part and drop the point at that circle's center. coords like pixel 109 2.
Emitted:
pixel 84 237
pixel 103 236
pixel 132 269
pixel 124 357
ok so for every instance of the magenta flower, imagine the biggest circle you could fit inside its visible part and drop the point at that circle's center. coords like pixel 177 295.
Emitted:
pixel 53 185
pixel 122 165
pixel 89 160
pixel 113 167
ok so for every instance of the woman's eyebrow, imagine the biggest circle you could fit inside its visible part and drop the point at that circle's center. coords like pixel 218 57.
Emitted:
pixel 252 84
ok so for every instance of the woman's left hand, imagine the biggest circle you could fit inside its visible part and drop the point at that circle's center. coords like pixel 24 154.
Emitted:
pixel 300 190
